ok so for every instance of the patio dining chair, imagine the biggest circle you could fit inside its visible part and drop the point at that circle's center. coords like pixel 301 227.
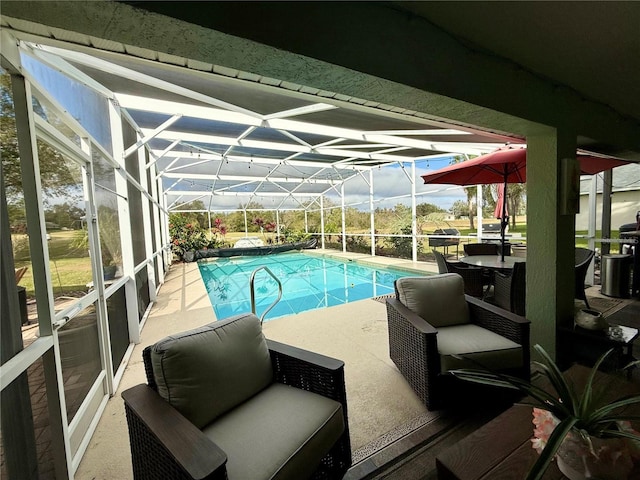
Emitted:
pixel 434 328
pixel 481 249
pixel 472 249
pixel 221 401
pixel 474 279
pixel 509 291
pixel 583 260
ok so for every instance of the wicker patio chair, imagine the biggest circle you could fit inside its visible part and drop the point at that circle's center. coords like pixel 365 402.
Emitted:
pixel 434 327
pixel 474 277
pixel 509 291
pixel 224 402
pixel 481 249
pixel 583 260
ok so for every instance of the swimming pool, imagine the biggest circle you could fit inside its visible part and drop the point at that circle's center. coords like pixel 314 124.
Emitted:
pixel 308 282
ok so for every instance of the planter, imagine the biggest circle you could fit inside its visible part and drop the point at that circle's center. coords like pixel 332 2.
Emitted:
pixel 591 320
pixel 576 459
pixel 109 272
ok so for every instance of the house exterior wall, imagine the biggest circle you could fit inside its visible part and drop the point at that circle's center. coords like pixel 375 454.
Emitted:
pixel 624 206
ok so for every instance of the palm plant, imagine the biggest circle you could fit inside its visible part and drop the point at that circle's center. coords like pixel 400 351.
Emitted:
pixel 585 414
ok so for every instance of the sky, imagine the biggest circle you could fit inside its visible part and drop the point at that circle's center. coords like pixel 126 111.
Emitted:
pixel 392 181
pixel 389 182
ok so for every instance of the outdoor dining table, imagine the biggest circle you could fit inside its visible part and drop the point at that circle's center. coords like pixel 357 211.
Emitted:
pixel 492 262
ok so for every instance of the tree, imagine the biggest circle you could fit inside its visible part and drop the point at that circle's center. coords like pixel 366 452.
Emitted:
pixel 425 209
pixel 515 197
pixel 55 176
pixel 65 215
pixel 235 220
pixel 459 208
pixel 200 217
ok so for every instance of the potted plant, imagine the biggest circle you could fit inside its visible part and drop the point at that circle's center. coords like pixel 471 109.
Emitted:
pixel 109 266
pixel 590 438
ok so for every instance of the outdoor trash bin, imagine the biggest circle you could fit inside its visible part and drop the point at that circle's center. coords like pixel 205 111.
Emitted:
pixel 614 275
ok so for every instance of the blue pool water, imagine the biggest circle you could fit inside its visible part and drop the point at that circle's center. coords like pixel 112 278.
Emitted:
pixel 308 282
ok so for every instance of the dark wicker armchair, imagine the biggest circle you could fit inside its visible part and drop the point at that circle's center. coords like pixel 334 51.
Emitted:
pixel 583 260
pixel 229 414
pixel 509 291
pixel 434 327
pixel 474 277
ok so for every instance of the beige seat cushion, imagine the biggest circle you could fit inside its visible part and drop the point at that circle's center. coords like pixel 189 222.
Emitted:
pixel 438 299
pixel 281 433
pixel 477 344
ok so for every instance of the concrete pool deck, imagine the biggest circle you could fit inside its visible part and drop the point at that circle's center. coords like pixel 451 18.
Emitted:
pixel 379 399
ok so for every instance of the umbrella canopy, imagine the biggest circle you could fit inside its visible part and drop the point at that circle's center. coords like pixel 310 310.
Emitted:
pixel 507 165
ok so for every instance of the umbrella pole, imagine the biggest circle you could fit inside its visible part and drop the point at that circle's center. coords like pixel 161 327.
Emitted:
pixel 504 211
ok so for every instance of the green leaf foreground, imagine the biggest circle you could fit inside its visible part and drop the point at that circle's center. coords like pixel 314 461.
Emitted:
pixel 582 411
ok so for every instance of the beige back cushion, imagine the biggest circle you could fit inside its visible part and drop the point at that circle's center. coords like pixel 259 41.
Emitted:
pixel 206 372
pixel 439 299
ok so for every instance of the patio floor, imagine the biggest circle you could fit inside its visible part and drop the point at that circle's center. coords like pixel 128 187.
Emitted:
pixel 385 416
pixel 382 407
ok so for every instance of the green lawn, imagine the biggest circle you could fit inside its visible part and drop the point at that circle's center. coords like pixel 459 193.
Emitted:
pixel 71 266
pixel 69 262
pixel 580 242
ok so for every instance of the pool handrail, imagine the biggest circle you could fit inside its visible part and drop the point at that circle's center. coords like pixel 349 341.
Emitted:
pixel 253 293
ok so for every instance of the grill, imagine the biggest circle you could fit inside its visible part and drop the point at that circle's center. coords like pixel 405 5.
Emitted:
pixel 633 248
pixel 445 242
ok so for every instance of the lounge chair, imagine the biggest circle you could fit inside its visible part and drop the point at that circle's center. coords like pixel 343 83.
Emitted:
pixel 434 327
pixel 224 402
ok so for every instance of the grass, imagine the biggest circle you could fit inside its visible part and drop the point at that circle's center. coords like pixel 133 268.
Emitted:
pixel 69 262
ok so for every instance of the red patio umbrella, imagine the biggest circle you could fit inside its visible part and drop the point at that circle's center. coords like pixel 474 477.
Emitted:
pixel 507 165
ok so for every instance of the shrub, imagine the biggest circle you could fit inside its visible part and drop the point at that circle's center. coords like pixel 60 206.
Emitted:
pixel 189 236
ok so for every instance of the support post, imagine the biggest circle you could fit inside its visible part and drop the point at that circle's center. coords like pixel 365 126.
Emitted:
pixel 591 229
pixel 344 222
pixel 606 210
pixel 322 220
pixel 414 220
pixel 551 271
pixel 479 213
pixel 372 219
